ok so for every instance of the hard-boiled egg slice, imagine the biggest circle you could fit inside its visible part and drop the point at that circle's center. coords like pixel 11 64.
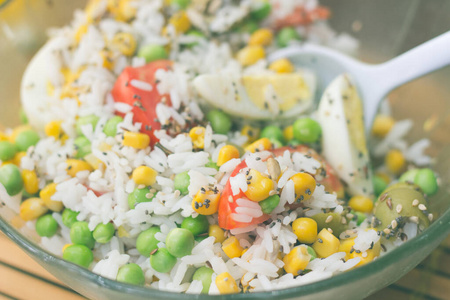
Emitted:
pixel 34 91
pixel 265 96
pixel 344 143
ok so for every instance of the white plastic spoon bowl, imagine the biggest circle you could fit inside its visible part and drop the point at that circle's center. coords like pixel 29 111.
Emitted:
pixel 374 82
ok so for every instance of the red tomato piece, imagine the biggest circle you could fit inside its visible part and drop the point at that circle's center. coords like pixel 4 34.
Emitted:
pixel 301 16
pixel 143 101
pixel 329 177
pixel 228 205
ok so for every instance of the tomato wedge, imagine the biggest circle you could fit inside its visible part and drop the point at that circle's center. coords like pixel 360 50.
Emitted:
pixel 302 16
pixel 144 101
pixel 227 207
pixel 329 177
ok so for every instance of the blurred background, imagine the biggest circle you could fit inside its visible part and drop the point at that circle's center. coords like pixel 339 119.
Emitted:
pixel 385 28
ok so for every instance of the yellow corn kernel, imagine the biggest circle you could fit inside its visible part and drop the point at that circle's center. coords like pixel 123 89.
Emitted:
pixel 50 88
pixel 249 55
pixel 232 248
pixel 93 161
pixel 305 229
pixel 17 130
pixel 382 125
pixel 206 201
pixel 18 158
pixel 259 145
pixel 65 247
pixel 46 195
pixel 346 246
pixel 395 161
pixel 136 140
pixel 124 42
pixel 76 165
pixel 217 232
pixel 361 203
pixel 144 175
pixel 226 284
pixel 17 222
pixel 296 260
pixel 104 147
pixel 197 135
pixel 81 31
pixel 252 133
pixel 227 153
pixel 3 137
pixel 304 185
pixel 53 128
pixel 326 244
pixel 91 8
pixel 288 133
pixel 32 208
pixel 258 186
pixel 122 232
pixel 282 65
pixel 261 37
pixel 180 21
pixel 30 181
pixel 108 59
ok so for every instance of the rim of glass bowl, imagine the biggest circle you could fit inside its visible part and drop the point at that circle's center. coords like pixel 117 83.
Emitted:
pixel 438 229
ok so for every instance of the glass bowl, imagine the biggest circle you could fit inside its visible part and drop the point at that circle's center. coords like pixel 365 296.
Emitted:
pixel 384 29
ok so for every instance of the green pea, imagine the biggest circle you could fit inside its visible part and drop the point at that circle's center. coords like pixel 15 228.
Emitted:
pixel 211 164
pixel 11 179
pixel 200 238
pixel 152 52
pixel 23 116
pixel 181 182
pixel 139 196
pixel 197 34
pixel 179 242
pixel 83 146
pixel 162 261
pixel 359 217
pixel 81 235
pixel 79 254
pixel 427 181
pixel 248 26
pixel 306 130
pixel 262 11
pixel 86 120
pixel 276 143
pixel 294 143
pixel 180 4
pixel 220 121
pixel 69 217
pixel 7 150
pixel 204 275
pixel 269 204
pixel 379 185
pixel 110 128
pixel 286 35
pixel 409 175
pixel 311 252
pixel 46 226
pixel 103 233
pixel 273 132
pixel 132 274
pixel 26 139
pixel 196 225
pixel 146 241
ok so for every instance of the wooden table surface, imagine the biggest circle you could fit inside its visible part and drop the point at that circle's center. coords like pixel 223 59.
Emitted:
pixel 23 278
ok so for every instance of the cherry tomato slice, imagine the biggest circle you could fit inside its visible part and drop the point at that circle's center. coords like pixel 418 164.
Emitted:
pixel 143 101
pixel 228 205
pixel 329 177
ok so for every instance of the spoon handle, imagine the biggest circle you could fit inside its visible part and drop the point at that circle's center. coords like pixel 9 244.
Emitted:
pixel 421 60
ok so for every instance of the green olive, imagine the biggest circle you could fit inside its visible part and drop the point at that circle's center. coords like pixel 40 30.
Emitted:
pixel 400 204
pixel 330 220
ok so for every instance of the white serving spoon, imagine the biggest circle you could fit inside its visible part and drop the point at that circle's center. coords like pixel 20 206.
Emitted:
pixel 374 82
